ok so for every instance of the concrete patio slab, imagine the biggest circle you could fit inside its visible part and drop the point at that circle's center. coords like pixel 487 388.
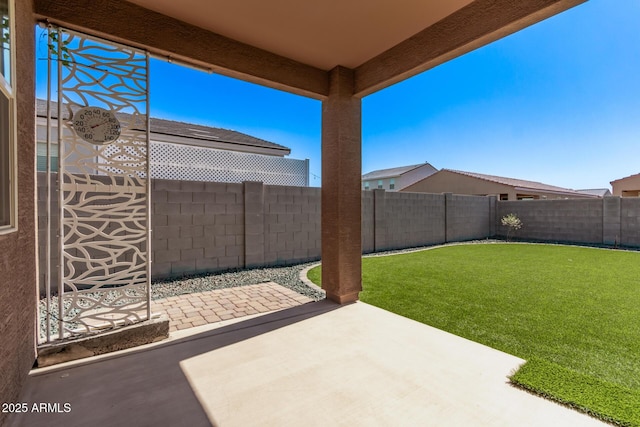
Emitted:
pixel 318 364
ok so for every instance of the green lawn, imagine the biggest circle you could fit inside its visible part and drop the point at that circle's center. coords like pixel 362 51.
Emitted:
pixel 573 313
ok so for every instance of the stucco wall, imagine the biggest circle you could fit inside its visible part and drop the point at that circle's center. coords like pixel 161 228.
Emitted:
pixel 627 187
pixel 18 260
pixel 446 181
pixel 449 182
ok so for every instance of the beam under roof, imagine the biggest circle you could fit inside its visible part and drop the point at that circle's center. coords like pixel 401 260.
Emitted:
pixel 471 27
pixel 128 23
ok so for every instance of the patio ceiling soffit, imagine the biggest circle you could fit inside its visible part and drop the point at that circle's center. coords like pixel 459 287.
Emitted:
pixel 471 27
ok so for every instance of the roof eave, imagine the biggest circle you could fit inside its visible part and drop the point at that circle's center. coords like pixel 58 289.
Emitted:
pixel 562 193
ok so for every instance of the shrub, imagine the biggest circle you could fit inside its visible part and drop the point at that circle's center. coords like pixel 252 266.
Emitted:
pixel 512 222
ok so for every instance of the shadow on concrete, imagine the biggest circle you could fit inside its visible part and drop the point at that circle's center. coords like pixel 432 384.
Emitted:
pixel 145 387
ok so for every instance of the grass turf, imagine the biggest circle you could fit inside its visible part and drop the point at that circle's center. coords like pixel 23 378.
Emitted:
pixel 573 313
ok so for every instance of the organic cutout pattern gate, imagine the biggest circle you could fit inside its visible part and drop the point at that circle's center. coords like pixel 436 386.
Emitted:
pixel 102 187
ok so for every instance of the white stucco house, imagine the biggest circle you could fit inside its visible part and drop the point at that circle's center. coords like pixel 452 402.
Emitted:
pixel 395 179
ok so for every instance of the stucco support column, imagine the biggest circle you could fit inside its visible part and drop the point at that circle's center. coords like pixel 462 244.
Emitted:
pixel 341 189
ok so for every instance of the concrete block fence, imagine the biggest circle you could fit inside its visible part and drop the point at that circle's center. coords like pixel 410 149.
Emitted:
pixel 206 227
pixel 200 227
pixel 392 220
pixel 608 221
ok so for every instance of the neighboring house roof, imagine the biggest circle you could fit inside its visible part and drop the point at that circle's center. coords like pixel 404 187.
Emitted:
pixel 195 132
pixel 626 177
pixel 390 173
pixel 600 192
pixel 519 184
pixel 206 133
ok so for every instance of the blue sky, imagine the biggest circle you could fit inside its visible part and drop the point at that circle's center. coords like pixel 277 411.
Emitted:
pixel 558 102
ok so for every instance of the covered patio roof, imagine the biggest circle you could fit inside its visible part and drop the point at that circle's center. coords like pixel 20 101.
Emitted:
pixel 291 45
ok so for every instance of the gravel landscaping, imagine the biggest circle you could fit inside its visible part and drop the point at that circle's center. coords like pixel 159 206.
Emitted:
pixel 288 276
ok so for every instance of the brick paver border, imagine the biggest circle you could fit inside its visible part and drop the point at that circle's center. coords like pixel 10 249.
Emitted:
pixel 201 308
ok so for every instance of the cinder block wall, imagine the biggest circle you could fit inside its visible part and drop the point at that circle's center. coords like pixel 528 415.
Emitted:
pixel 207 227
pixel 409 219
pixel 200 227
pixel 629 222
pixel 291 224
pixel 468 217
pixel 368 230
pixel 574 220
pixel 196 226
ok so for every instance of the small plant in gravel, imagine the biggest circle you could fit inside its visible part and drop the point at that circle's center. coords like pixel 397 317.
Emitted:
pixel 513 223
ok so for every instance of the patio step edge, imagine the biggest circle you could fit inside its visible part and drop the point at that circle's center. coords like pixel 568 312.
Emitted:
pixel 146 332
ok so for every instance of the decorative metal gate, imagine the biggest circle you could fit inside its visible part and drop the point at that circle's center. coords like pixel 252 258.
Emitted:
pixel 100 216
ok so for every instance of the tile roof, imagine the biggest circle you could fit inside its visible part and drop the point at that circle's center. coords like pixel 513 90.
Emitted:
pixel 600 192
pixel 519 183
pixel 386 173
pixel 207 133
pixel 626 177
pixel 189 130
